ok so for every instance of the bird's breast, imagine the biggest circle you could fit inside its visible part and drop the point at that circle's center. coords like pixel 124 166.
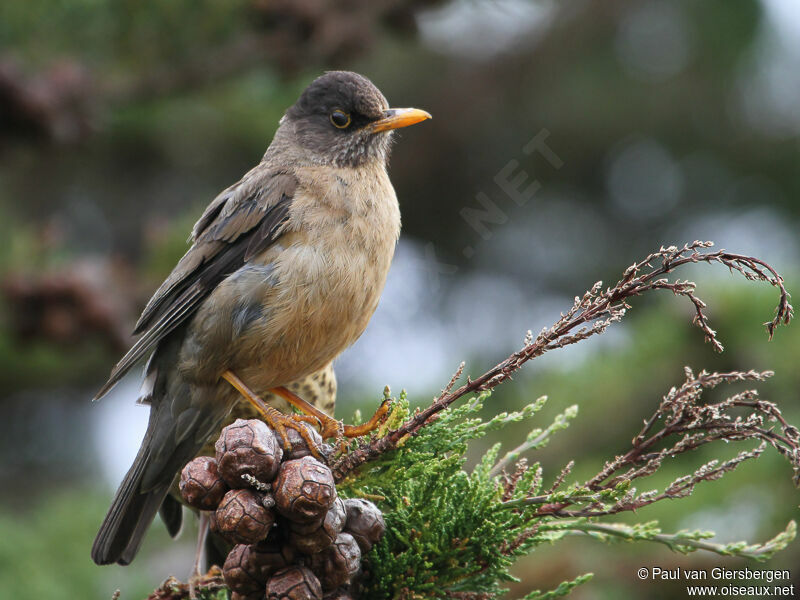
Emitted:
pixel 322 280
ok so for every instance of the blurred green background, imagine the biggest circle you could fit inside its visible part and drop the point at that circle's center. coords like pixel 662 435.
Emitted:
pixel 663 122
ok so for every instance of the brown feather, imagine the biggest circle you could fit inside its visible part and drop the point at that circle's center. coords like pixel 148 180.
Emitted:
pixel 244 220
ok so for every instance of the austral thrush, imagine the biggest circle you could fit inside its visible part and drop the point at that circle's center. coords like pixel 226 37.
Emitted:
pixel 285 269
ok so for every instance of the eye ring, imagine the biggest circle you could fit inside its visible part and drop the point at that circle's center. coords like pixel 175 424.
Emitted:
pixel 339 118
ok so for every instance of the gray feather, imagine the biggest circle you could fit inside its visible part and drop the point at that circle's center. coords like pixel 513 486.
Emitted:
pixel 243 221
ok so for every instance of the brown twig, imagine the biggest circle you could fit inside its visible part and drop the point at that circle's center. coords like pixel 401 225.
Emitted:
pixel 172 589
pixel 589 315
pixel 683 416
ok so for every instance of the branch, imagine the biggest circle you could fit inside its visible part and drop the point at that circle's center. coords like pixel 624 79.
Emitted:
pixel 589 315
pixel 687 541
pixel 684 416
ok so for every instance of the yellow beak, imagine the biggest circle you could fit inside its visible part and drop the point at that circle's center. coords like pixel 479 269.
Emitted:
pixel 394 118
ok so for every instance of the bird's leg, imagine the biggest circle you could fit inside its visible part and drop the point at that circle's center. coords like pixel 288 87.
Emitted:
pixel 200 553
pixel 330 427
pixel 275 418
pixel 371 425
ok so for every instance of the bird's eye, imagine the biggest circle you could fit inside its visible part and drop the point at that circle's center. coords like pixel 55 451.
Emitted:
pixel 339 118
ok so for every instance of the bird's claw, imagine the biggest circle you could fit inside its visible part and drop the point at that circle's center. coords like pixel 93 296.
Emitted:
pixel 328 427
pixel 375 421
pixel 331 428
pixel 279 422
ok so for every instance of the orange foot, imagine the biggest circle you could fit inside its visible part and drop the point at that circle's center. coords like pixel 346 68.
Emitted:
pixel 330 427
pixel 275 418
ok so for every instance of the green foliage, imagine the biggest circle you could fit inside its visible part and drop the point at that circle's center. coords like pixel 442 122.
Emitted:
pixel 220 594
pixel 447 529
pixel 454 533
pixel 562 590
pixel 687 542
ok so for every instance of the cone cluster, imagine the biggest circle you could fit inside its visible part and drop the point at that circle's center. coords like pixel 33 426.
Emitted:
pixel 292 536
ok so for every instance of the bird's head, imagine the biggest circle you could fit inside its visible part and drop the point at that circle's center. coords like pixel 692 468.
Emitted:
pixel 343 119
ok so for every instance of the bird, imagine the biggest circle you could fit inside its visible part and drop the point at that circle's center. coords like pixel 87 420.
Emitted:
pixel 284 272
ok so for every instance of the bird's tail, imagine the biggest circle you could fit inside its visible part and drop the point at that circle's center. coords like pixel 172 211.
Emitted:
pixel 131 513
pixel 178 427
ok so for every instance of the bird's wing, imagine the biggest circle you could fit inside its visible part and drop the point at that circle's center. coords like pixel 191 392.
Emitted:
pixel 241 222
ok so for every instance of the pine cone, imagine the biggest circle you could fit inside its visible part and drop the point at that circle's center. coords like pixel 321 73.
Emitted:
pixel 241 575
pixel 337 565
pixel 248 567
pixel 304 490
pixel 339 594
pixel 259 595
pixel 364 522
pixel 242 518
pixel 200 484
pixel 270 557
pixel 294 583
pixel 315 537
pixel 247 448
pixel 299 445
